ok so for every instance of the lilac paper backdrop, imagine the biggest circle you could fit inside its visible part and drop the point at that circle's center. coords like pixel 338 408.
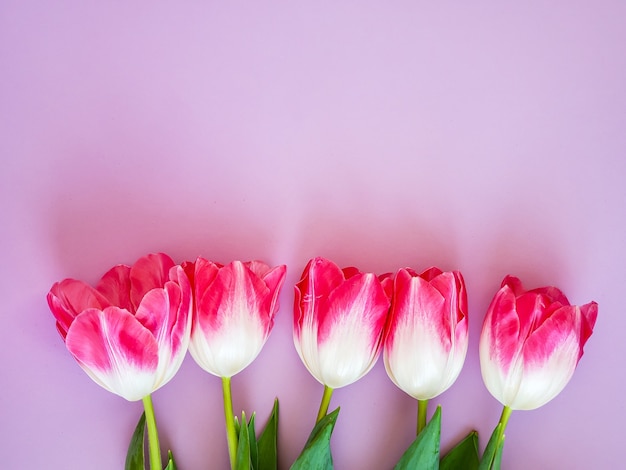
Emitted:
pixel 488 138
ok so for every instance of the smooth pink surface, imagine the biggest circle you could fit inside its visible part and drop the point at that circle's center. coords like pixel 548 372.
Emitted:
pixel 486 137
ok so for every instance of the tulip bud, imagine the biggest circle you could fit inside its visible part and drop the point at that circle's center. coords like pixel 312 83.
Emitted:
pixel 531 343
pixel 427 333
pixel 339 317
pixel 234 312
pixel 130 333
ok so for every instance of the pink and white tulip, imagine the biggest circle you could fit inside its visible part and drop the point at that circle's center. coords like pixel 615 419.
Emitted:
pixel 130 333
pixel 234 312
pixel 531 343
pixel 427 333
pixel 339 316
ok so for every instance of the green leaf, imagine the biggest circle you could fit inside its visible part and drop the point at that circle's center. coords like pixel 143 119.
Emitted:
pixel 237 427
pixel 135 459
pixel 242 461
pixel 254 452
pixel 316 454
pixel 268 443
pixel 171 465
pixel 492 457
pixel 423 453
pixel 497 461
pixel 463 456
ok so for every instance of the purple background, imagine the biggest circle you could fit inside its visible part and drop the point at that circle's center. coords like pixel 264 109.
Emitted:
pixel 487 137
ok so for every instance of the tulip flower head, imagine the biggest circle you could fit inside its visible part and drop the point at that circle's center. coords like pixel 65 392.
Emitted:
pixel 426 336
pixel 130 333
pixel 531 343
pixel 339 316
pixel 234 312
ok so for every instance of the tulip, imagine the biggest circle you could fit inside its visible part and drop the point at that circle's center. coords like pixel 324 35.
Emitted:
pixel 130 333
pixel 426 335
pixel 234 312
pixel 339 316
pixel 530 345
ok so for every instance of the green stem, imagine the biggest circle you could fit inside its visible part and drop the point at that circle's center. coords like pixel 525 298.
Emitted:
pixel 231 435
pixel 328 392
pixel 422 409
pixel 504 419
pixel 153 434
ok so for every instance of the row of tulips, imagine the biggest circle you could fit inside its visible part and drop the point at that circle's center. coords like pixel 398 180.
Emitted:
pixel 131 332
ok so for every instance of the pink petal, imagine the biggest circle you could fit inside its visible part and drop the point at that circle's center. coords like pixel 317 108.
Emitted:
pixel 514 284
pixel 401 280
pixel 417 301
pixel 179 288
pixel 431 273
pixel 190 270
pixel 234 317
pixel 501 329
pixel 115 287
pixel 319 278
pixel 325 275
pixel 411 271
pixel 275 277
pixel 68 298
pixel 204 275
pixel 350 330
pixel 158 310
pixel 400 303
pixel 549 359
pixel 166 314
pixel 387 280
pixel 165 311
pixel 235 289
pixel 589 314
pixel 257 267
pixel 363 299
pixel 554 294
pixel 149 272
pixel 298 313
pixel 274 280
pixel 115 350
pixel 462 294
pixel 452 287
pixel 546 339
pixel 350 271
pixel 532 310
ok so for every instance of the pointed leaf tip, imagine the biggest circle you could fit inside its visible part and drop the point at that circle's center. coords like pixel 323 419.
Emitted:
pixel 492 457
pixel 268 442
pixel 135 457
pixel 243 461
pixel 463 456
pixel 316 454
pixel 171 464
pixel 423 453
pixel 254 449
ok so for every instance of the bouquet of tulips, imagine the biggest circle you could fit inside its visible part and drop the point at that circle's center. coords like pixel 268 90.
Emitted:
pixel 130 334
